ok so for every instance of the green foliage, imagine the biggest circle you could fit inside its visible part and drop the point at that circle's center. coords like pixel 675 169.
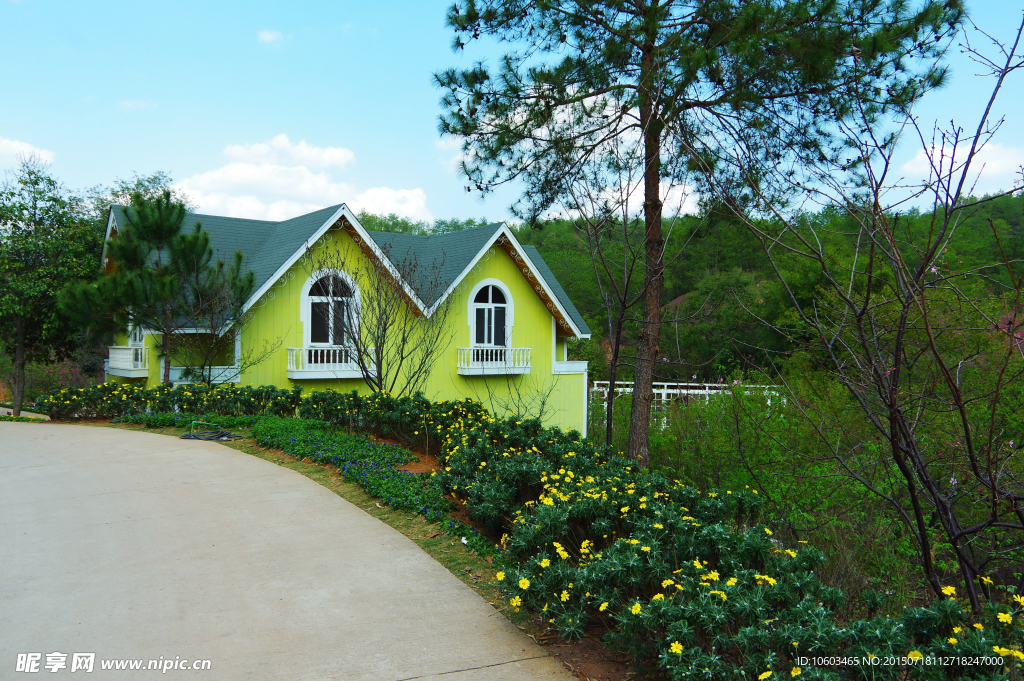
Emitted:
pixel 183 419
pixel 45 243
pixel 110 399
pixel 394 223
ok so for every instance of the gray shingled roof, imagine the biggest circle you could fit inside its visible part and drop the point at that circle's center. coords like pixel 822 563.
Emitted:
pixel 268 245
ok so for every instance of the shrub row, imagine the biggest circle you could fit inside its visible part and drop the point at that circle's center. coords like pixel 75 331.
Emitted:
pixel 111 399
pixel 685 577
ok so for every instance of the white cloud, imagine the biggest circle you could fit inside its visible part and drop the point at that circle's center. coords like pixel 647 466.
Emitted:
pixel 999 166
pixel 451 161
pixel 281 150
pixel 277 180
pixel 269 36
pixel 135 104
pixel 10 150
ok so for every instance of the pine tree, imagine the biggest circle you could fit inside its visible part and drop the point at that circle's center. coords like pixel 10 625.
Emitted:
pixel 150 265
pixel 595 90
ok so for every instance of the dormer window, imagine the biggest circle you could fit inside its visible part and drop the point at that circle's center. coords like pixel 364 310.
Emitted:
pixel 330 311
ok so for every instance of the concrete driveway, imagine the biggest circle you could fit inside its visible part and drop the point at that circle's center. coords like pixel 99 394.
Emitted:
pixel 135 546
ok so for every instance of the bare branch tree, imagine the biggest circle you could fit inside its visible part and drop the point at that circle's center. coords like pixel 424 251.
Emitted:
pixel 392 339
pixel 927 353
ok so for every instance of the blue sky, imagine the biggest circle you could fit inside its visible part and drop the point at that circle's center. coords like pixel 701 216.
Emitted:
pixel 270 109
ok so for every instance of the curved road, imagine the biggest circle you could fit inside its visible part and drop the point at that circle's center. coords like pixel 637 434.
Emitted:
pixel 140 546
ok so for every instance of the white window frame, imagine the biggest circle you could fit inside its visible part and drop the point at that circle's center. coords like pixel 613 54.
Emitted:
pixel 509 312
pixel 306 309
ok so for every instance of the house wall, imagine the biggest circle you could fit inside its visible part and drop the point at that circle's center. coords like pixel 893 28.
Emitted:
pixel 276 319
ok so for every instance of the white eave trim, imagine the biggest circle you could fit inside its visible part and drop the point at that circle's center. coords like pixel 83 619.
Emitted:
pixel 343 211
pixel 504 230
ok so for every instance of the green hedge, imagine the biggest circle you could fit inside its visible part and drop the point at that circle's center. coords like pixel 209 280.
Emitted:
pixel 683 578
pixel 110 399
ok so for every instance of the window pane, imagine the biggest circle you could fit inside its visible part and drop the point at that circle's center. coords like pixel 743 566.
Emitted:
pixel 481 325
pixel 481 296
pixel 497 296
pixel 319 329
pixel 321 288
pixel 339 322
pixel 499 326
pixel 341 289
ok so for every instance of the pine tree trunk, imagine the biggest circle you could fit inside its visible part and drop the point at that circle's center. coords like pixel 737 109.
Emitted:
pixel 647 346
pixel 167 348
pixel 19 364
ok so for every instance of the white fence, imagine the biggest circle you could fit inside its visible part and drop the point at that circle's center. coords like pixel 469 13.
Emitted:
pixel 667 392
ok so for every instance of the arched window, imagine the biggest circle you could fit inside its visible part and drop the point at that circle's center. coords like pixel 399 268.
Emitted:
pixel 331 311
pixel 490 311
pixel 492 324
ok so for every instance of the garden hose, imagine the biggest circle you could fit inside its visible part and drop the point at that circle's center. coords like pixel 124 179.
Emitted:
pixel 219 435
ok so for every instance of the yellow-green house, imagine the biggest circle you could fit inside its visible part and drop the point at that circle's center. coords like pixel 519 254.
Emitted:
pixel 506 328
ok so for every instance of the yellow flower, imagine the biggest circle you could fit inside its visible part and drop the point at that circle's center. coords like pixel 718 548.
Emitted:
pixel 515 601
pixel 696 563
pixel 978 626
pixel 1019 599
pixel 544 563
pixel 604 606
pixel 676 647
pixel 1005 618
pixel 795 671
pixel 949 591
pixel 659 526
pixel 564 596
pixel 731 582
pixel 957 630
pixel 986 580
pixel 769 533
pixel 666 583
pixel 500 576
pixel 635 609
pixel 951 640
pixel 915 655
pixel 645 548
pixel 658 597
pixel 720 593
pixel 624 509
pixel 763 676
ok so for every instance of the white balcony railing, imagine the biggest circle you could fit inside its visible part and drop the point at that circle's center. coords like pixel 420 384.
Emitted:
pixel 320 362
pixel 493 361
pixel 129 362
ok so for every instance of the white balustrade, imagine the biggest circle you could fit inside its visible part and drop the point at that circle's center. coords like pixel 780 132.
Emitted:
pixel 128 358
pixel 490 360
pixel 323 362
